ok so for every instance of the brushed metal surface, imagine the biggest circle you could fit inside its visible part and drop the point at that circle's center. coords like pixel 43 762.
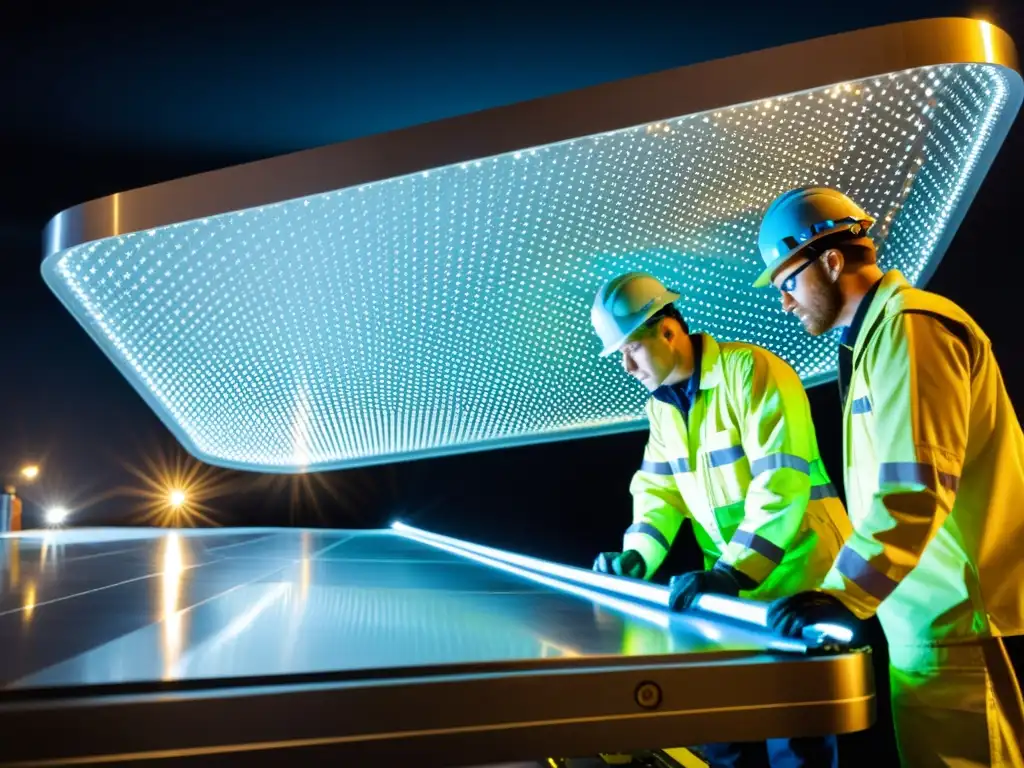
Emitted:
pixel 268 644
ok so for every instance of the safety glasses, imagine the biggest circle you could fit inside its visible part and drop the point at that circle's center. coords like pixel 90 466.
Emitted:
pixel 789 284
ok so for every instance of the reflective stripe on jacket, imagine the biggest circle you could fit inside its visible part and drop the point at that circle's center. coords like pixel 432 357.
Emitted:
pixel 934 459
pixel 744 467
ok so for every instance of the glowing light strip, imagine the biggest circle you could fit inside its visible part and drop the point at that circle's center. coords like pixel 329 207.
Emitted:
pixel 734 608
pixel 641 590
pixel 658 618
pixel 719 605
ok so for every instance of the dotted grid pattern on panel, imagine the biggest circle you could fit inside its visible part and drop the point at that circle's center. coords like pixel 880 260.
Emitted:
pixel 449 309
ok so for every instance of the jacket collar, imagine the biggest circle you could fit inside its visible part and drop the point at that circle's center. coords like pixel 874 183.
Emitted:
pixel 872 308
pixel 848 338
pixel 708 373
pixel 710 363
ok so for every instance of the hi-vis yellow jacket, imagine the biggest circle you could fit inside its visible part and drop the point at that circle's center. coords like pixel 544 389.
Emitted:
pixel 744 467
pixel 934 459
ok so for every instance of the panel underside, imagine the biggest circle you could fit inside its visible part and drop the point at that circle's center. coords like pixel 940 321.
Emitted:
pixel 448 310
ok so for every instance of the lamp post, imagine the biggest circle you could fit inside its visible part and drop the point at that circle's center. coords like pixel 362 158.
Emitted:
pixel 10 502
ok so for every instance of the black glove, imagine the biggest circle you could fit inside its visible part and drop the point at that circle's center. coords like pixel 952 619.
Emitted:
pixel 686 587
pixel 790 615
pixel 629 563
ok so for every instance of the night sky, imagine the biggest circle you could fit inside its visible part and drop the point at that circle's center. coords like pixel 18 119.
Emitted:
pixel 108 98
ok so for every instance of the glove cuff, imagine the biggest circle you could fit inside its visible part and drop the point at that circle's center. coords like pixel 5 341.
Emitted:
pixel 636 560
pixel 740 579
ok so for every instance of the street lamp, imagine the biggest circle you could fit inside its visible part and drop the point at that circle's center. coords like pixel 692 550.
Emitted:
pixel 10 503
pixel 27 473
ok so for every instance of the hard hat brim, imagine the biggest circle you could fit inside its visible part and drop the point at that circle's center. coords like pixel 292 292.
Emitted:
pixel 656 305
pixel 765 278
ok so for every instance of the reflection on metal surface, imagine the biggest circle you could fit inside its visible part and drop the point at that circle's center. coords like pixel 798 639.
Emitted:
pixel 430 651
pixel 733 608
pixel 634 588
pixel 256 630
pixel 249 306
pixel 172 617
pixel 51 551
pixel 12 550
pixel 222 643
pixel 30 602
pixel 193 604
pixel 549 650
pixel 304 583
pixel 85 535
pixel 658 618
pixel 645 639
pixel 755 613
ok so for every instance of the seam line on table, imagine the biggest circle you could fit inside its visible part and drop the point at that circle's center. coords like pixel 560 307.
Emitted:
pixel 329 547
pixel 229 590
pixel 94 590
pixel 239 543
pixel 95 554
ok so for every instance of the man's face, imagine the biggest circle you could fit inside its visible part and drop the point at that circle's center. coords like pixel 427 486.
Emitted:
pixel 809 294
pixel 648 357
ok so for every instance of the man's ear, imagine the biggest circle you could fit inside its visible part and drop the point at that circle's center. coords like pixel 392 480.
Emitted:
pixel 834 263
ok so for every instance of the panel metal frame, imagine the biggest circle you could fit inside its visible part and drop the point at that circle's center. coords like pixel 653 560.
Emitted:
pixel 598 109
pixel 450 716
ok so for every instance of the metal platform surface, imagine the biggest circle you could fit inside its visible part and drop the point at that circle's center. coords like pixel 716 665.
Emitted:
pixel 242 643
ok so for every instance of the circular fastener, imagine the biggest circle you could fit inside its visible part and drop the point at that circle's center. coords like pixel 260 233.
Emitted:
pixel 648 695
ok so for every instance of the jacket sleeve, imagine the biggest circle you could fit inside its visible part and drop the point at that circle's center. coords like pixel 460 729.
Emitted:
pixel 658 507
pixel 778 440
pixel 919 374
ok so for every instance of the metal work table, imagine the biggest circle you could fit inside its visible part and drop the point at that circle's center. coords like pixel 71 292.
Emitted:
pixel 368 647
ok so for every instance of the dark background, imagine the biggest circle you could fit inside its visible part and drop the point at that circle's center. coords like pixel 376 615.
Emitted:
pixel 107 97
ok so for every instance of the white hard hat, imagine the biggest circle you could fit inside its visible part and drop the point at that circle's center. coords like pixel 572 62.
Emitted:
pixel 625 303
pixel 797 218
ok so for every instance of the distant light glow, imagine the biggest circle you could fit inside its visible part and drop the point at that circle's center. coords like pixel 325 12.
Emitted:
pixel 30 472
pixel 448 311
pixel 56 515
pixel 175 489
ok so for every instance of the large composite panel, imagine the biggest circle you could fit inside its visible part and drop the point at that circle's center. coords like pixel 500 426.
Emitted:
pixel 427 291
